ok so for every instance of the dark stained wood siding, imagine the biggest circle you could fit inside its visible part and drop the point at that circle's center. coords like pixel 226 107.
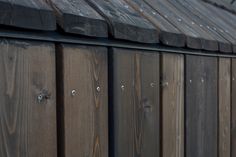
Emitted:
pixel 28 99
pixel 233 110
pixel 201 106
pixel 172 105
pixel 83 106
pixel 136 108
pixel 224 106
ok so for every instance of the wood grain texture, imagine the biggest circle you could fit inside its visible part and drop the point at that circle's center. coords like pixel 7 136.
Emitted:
pixel 224 106
pixel 208 22
pixel 78 17
pixel 84 114
pixel 168 34
pixel 124 22
pixel 30 14
pixel 172 105
pixel 195 37
pixel 136 108
pixel 214 17
pixel 224 45
pixel 27 125
pixel 233 110
pixel 201 106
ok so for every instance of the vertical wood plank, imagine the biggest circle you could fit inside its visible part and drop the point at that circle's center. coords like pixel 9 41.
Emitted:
pixel 135 104
pixel 201 106
pixel 83 101
pixel 224 106
pixel 28 99
pixel 233 110
pixel 172 105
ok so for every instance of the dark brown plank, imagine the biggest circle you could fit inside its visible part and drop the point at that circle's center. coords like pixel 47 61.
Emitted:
pixel 201 106
pixel 195 37
pixel 172 105
pixel 233 110
pixel 30 14
pixel 168 34
pixel 224 106
pixel 83 106
pixel 79 18
pixel 136 108
pixel 124 22
pixel 28 99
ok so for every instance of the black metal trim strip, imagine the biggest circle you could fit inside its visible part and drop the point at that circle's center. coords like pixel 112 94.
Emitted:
pixel 72 39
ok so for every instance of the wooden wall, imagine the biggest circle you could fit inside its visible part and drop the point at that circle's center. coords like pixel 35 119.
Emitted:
pixel 86 101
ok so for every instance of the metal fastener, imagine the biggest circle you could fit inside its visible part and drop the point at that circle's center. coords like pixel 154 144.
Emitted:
pixel 122 87
pixel 40 98
pixel 73 92
pixel 98 89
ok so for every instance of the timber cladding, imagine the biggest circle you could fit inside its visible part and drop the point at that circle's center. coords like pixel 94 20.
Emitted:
pixel 73 100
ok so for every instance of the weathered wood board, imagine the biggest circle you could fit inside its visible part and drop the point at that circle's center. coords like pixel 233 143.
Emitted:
pixel 79 18
pixel 205 25
pixel 221 24
pixel 233 110
pixel 82 101
pixel 172 105
pixel 124 22
pixel 135 106
pixel 28 99
pixel 168 34
pixel 224 106
pixel 30 14
pixel 201 106
pixel 195 37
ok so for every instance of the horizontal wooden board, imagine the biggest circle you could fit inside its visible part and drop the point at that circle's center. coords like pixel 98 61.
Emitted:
pixel 79 18
pixel 135 104
pixel 28 99
pixel 82 101
pixel 172 105
pixel 30 14
pixel 201 108
pixel 124 22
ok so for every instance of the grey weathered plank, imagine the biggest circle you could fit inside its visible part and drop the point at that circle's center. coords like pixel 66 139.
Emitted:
pixel 195 37
pixel 201 106
pixel 82 101
pixel 30 14
pixel 172 105
pixel 79 18
pixel 205 25
pixel 224 106
pixel 136 108
pixel 221 24
pixel 28 99
pixel 233 110
pixel 124 22
pixel 168 34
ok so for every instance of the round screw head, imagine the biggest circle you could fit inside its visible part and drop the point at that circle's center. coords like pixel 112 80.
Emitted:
pixel 98 89
pixel 122 87
pixel 73 92
pixel 40 98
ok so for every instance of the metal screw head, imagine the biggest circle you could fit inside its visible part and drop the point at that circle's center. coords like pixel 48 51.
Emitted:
pixel 152 84
pixel 40 98
pixel 73 92
pixel 122 87
pixel 98 89
pixel 190 81
pixel 233 78
pixel 202 80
